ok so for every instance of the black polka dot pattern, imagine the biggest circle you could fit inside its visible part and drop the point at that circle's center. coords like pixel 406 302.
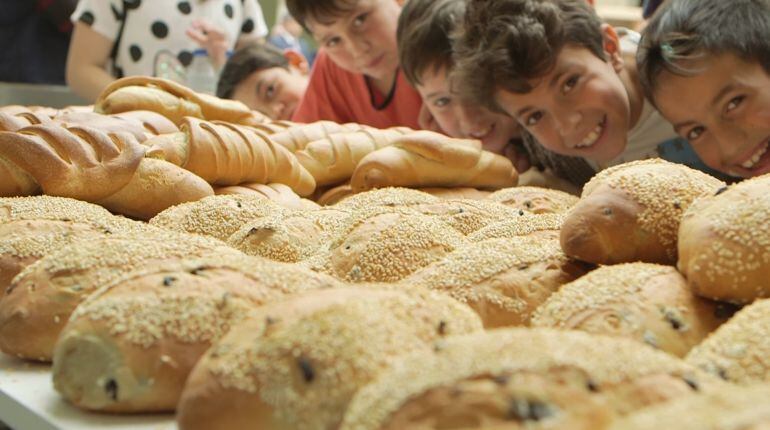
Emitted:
pixel 229 10
pixel 248 26
pixel 119 72
pixel 136 53
pixel 133 4
pixel 184 7
pixel 185 57
pixel 159 29
pixel 87 18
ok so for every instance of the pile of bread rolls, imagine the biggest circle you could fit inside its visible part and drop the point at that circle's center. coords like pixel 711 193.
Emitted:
pixel 327 276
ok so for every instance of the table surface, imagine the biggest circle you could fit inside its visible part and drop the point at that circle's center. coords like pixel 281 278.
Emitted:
pixel 29 401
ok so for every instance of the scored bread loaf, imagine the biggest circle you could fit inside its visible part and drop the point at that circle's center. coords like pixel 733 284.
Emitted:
pixel 428 159
pixel 383 244
pixel 739 350
pixel 42 297
pixel 279 193
pixel 545 226
pixel 216 216
pixel 172 100
pixel 724 245
pixel 17 121
pixel 130 346
pixel 456 193
pixel 333 159
pixel 647 302
pixel 521 378
pixel 230 154
pixel 296 364
pixel 330 196
pixel 274 126
pixel 467 216
pixel 503 280
pixel 297 136
pixel 153 122
pixel 631 212
pixel 534 199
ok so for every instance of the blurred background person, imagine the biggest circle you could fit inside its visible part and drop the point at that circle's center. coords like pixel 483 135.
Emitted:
pixel 287 34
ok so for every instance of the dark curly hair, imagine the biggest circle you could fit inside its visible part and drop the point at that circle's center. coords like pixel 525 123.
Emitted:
pixel 244 62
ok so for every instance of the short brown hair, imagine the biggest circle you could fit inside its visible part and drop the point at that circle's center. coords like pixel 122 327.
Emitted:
pixel 323 11
pixel 244 62
pixel 423 33
pixel 503 44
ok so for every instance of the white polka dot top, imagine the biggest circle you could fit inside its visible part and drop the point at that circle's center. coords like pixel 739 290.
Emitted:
pixel 157 27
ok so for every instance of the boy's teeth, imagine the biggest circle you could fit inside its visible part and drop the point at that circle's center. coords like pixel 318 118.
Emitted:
pixel 748 164
pixel 591 138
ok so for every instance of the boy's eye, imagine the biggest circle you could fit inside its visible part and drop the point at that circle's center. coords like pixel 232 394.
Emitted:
pixel 734 103
pixel 569 83
pixel 270 92
pixel 442 101
pixel 359 20
pixel 694 133
pixel 533 119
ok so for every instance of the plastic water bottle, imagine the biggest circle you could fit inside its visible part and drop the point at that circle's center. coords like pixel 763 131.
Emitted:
pixel 201 76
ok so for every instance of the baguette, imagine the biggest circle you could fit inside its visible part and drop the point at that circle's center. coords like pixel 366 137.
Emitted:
pixel 297 136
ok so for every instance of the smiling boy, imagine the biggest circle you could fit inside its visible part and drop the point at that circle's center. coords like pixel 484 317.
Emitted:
pixel 356 76
pixel 567 78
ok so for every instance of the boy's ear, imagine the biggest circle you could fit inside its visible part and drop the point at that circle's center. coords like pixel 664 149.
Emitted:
pixel 296 59
pixel 611 46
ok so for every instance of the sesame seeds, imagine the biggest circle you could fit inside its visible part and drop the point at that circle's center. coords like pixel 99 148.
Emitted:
pixel 534 199
pixel 522 225
pixel 467 216
pixel 390 196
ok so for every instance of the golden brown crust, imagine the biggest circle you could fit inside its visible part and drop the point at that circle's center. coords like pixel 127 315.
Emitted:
pixel 172 100
pixel 503 280
pixel 130 346
pixel 334 195
pixel 632 212
pixel 456 193
pixel 297 136
pixel 534 199
pixel 279 193
pixel 646 302
pixel 18 120
pixel 546 378
pixel 296 364
pixel 153 122
pixel 724 248
pixel 428 159
pixel 103 123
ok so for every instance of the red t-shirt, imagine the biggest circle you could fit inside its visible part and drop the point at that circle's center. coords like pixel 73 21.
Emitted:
pixel 341 96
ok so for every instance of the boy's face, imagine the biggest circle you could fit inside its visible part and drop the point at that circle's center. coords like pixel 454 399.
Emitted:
pixel 362 41
pixel 276 91
pixel 724 112
pixel 461 119
pixel 579 108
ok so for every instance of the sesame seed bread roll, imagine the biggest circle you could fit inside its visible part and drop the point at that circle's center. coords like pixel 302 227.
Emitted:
pixel 290 237
pixel 216 216
pixel 130 346
pixel 534 199
pixel 32 227
pixel 467 216
pixel 546 226
pixel 279 193
pixel 41 298
pixel 631 212
pixel 429 159
pixel 724 244
pixel 730 408
pixel 390 196
pixel 521 378
pixel 739 350
pixel 296 364
pixel 383 244
pixel 503 280
pixel 646 302
pixel 457 193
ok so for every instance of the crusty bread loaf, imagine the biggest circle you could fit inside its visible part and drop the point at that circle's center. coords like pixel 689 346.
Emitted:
pixel 229 154
pixel 17 121
pixel 274 126
pixel 544 226
pixel 522 379
pixel 329 196
pixel 631 212
pixel 731 407
pixel 297 136
pixel 290 237
pixel 534 199
pixel 646 302
pixel 130 346
pixel 172 100
pixel 739 350
pixel 389 197
pixel 216 216
pixel 467 216
pixel 503 280
pixel 296 364
pixel 428 159
pixel 42 297
pixel 279 193
pixel 333 159
pixel 104 123
pixel 456 193
pixel 153 122
pixel 724 244
pixel 383 244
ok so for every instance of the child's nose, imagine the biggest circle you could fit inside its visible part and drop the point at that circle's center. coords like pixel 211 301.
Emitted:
pixel 567 121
